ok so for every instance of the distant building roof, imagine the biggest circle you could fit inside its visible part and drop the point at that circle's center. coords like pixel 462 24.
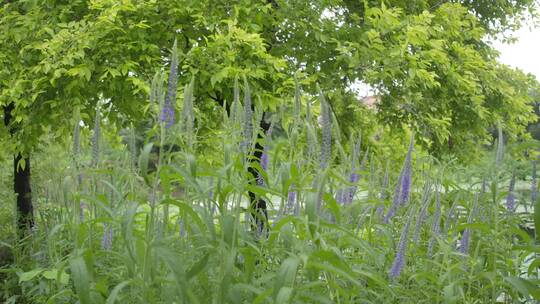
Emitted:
pixel 371 101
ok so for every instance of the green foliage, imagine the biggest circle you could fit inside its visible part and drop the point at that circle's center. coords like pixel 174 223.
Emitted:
pixel 166 218
pixel 180 232
pixel 427 60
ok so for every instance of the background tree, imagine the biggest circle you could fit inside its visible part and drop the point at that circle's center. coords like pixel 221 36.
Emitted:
pixel 427 60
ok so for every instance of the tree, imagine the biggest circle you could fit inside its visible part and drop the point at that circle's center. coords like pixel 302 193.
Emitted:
pixel 427 59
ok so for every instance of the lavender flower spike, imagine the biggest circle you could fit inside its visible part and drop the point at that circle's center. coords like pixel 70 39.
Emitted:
pixel 167 111
pixel 407 175
pixel 340 197
pixel 466 236
pixel 465 241
pixel 96 137
pixel 511 198
pixel 384 185
pixel 248 112
pixel 399 260
pixel 435 226
pixel 264 156
pixel 395 200
pixel 291 199
pixel 423 212
pixel 534 185
pixel 106 241
pixel 326 144
pixel 354 176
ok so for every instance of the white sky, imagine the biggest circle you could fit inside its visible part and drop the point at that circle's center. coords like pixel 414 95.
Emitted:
pixel 524 53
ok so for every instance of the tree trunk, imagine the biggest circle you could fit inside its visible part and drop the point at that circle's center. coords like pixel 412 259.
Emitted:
pixel 21 186
pixel 258 208
pixel 21 181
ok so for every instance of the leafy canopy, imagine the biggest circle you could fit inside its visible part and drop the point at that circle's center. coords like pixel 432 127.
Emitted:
pixel 428 60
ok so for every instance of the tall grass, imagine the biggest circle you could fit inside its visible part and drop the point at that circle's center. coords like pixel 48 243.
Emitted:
pixel 175 227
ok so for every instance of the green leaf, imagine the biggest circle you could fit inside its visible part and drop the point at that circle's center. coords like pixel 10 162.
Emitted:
pixel 54 274
pixel 284 295
pixel 29 275
pixel 82 71
pixel 144 159
pixel 525 287
pixel 116 291
pixel 198 267
pixel 81 279
pixel 287 273
pixel 534 266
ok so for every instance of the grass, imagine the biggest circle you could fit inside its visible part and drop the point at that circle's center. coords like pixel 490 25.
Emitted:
pixel 176 228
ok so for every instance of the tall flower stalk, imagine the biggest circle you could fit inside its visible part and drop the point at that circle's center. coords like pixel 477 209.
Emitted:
pixel 96 138
pixel 511 197
pixel 107 239
pixel 407 175
pixel 436 224
pixel 291 199
pixel 248 118
pixel 264 155
pixel 133 147
pixel 465 240
pixel 423 211
pixel 354 176
pixel 403 186
pixel 188 116
pixel 383 194
pixel 500 147
pixel 326 127
pixel 399 259
pixel 167 110
pixel 77 147
pixel 534 185
pixel 235 115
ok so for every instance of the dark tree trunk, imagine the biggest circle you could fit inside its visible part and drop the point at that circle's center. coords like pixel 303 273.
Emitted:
pixel 21 186
pixel 21 181
pixel 258 208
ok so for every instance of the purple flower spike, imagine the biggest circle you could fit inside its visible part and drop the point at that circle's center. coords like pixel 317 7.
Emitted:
pixel 167 112
pixel 248 117
pixel 423 213
pixel 407 175
pixel 399 260
pixel 264 159
pixel 340 197
pixel 326 144
pixel 82 206
pixel 465 241
pixel 534 185
pixel 395 200
pixel 435 226
pixel 96 138
pixel 511 198
pixel 167 115
pixel 354 178
pixel 405 187
pixel 291 199
pixel 260 180
pixel 384 185
pixel 181 229
pixel 106 241
pixel 380 211
pixel 466 235
pixel 264 156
